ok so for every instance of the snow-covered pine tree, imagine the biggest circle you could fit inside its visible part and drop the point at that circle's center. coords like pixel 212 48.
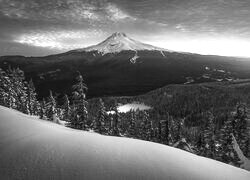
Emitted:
pixel 110 124
pixel 166 129
pixel 74 122
pixel 116 123
pixel 176 129
pixel 80 103
pixel 200 144
pixel 10 100
pixel 241 131
pixel 66 108
pixel 31 100
pixel 144 127
pixel 4 88
pixel 159 132
pixel 225 152
pixel 42 110
pixel 99 124
pixel 180 125
pixel 51 109
pixel 209 136
pixel 19 90
pixel 150 131
pixel 132 124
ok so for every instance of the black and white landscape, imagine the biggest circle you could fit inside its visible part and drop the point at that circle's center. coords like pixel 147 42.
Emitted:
pixel 123 66
pixel 106 89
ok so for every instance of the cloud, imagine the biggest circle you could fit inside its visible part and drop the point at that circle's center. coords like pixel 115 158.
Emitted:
pixel 58 39
pixel 116 14
pixel 76 11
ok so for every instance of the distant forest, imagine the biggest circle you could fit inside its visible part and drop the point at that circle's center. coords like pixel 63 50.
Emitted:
pixel 201 119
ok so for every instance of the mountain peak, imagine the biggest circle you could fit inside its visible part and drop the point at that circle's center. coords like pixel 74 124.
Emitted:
pixel 118 42
pixel 118 34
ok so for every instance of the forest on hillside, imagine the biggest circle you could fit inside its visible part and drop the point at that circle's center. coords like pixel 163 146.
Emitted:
pixel 203 120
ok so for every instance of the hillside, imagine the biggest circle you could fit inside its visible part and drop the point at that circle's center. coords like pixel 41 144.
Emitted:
pixel 36 149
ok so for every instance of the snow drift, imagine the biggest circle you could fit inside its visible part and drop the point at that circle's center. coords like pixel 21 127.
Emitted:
pixel 34 149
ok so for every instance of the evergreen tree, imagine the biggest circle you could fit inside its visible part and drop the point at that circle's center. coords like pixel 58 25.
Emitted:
pixel 52 116
pixel 150 132
pixel 18 90
pixel 226 150
pixel 80 103
pixel 66 109
pixel 145 125
pixel 241 132
pixel 42 113
pixel 4 88
pixel 200 144
pixel 159 132
pixel 132 124
pixel 99 125
pixel 116 124
pixel 209 136
pixel 177 129
pixel 166 129
pixel 10 97
pixel 74 118
pixel 31 100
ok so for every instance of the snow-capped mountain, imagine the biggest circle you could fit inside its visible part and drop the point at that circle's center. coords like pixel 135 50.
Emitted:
pixel 118 42
pixel 122 66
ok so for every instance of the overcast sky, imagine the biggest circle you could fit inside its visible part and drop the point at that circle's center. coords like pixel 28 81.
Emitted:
pixel 42 27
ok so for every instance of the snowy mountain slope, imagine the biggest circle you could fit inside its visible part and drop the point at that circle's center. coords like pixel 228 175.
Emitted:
pixel 118 42
pixel 34 149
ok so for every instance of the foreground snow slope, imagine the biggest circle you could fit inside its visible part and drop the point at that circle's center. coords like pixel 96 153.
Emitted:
pixel 36 149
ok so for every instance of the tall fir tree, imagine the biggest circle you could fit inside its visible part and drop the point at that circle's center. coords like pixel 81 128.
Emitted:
pixel 66 109
pixel 241 131
pixel 116 123
pixel 159 132
pixel 226 153
pixel 42 110
pixel 166 129
pixel 18 90
pixel 4 88
pixel 132 124
pixel 51 108
pixel 99 124
pixel 144 127
pixel 80 104
pixel 31 100
pixel 150 131
pixel 209 136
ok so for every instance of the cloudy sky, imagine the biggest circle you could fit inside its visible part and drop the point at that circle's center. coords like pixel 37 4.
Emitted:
pixel 42 27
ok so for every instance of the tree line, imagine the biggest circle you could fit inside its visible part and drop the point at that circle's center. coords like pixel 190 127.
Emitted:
pixel 207 139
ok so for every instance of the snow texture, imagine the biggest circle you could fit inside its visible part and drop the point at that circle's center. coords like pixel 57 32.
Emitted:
pixel 118 42
pixel 35 149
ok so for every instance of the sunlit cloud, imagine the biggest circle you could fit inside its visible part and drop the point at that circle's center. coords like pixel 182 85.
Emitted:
pixel 116 14
pixel 64 10
pixel 207 46
pixel 59 40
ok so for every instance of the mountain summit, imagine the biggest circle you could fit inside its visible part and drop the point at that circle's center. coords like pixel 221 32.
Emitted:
pixel 118 42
